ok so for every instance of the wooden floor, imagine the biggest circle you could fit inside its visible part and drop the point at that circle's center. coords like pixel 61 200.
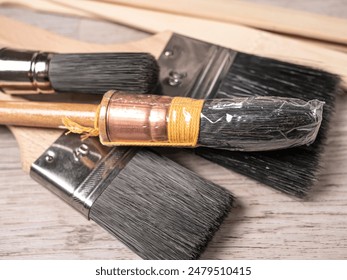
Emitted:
pixel 34 224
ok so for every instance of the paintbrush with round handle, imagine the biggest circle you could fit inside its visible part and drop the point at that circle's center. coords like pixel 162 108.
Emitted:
pixel 123 119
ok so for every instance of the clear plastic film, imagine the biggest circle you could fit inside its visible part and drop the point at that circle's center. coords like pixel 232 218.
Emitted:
pixel 242 124
pixel 259 123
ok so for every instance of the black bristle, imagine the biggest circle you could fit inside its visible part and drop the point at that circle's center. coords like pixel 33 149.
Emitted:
pixel 97 73
pixel 169 213
pixel 292 171
pixel 259 123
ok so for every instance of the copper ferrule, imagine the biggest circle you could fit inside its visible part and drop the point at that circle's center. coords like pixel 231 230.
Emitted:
pixel 126 118
pixel 24 72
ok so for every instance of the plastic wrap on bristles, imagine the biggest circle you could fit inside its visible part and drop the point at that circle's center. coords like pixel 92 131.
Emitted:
pixel 293 171
pixel 259 123
pixel 236 124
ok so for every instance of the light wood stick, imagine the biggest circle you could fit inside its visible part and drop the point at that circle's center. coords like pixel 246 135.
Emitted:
pixel 322 44
pixel 46 114
pixel 237 37
pixel 58 8
pixel 266 17
pixel 46 6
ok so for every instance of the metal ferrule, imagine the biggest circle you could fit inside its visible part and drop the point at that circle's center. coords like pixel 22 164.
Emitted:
pixel 24 72
pixel 78 172
pixel 201 77
pixel 140 118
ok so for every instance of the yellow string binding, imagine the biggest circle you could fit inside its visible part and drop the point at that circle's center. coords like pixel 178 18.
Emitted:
pixel 183 125
pixel 74 127
pixel 184 121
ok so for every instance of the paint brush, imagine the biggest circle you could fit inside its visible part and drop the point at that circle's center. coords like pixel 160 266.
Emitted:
pixel 123 119
pixel 156 207
pixel 293 171
pixel 32 72
pixel 228 74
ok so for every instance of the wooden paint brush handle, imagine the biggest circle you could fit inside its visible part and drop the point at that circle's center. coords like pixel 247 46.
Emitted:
pixel 45 114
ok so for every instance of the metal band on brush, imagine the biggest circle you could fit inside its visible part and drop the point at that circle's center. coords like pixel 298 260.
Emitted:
pixel 149 120
pixel 79 171
pixel 24 72
pixel 143 120
pixel 201 77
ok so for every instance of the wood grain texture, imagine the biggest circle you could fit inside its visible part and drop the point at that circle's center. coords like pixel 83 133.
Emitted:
pixel 49 7
pixel 46 114
pixel 266 17
pixel 239 38
pixel 56 8
pixel 320 30
pixel 34 224
pixel 234 36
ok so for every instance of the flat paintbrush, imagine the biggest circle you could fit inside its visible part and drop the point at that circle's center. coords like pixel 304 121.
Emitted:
pixel 156 207
pixel 292 171
pixel 227 74
pixel 123 119
pixel 31 72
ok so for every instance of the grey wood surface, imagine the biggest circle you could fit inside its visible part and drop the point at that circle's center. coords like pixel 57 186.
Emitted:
pixel 266 225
